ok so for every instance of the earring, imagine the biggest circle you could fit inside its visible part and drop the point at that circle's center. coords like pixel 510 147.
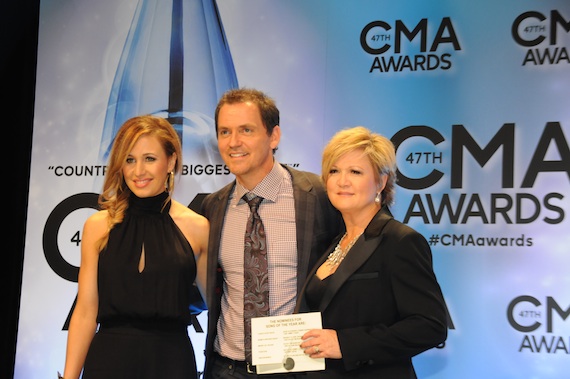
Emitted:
pixel 169 182
pixel 377 198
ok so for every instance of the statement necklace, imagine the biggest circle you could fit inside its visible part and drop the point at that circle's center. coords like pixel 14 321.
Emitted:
pixel 338 253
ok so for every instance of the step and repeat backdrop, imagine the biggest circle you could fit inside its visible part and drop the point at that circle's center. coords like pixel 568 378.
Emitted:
pixel 474 94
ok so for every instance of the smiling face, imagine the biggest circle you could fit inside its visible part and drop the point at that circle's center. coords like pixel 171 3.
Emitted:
pixel 147 166
pixel 352 184
pixel 244 144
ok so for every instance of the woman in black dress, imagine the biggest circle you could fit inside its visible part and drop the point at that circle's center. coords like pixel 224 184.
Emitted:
pixel 140 256
pixel 379 298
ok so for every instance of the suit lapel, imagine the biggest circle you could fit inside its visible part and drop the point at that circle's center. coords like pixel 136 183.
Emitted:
pixel 362 250
pixel 217 213
pixel 305 208
pixel 357 256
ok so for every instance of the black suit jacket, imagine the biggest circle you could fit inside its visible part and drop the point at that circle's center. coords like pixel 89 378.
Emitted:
pixel 317 223
pixel 384 302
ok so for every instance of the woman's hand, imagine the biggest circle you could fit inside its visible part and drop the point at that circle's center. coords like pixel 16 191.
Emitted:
pixel 321 343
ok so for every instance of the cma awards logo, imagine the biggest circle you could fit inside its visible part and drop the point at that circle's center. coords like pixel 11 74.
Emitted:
pixel 493 208
pixel 544 36
pixel 540 322
pixel 413 47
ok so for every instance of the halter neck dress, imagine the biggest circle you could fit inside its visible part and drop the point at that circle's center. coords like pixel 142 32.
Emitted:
pixel 144 313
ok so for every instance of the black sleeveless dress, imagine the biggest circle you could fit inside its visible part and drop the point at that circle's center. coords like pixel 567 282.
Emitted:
pixel 144 315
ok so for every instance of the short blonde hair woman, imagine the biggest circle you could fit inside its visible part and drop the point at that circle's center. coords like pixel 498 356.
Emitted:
pixel 375 287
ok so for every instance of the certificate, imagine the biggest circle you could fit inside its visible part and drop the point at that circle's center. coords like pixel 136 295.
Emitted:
pixel 275 343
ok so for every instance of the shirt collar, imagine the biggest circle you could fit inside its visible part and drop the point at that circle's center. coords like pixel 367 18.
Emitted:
pixel 269 187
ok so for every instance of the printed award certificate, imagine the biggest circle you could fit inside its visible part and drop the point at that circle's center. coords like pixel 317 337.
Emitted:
pixel 275 343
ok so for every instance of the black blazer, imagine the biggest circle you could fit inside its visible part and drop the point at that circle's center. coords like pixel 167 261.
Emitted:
pixel 384 302
pixel 317 223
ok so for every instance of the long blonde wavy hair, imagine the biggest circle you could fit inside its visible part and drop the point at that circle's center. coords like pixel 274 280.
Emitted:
pixel 116 193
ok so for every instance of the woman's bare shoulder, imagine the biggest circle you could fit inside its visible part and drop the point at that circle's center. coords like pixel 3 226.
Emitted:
pixel 182 214
pixel 97 222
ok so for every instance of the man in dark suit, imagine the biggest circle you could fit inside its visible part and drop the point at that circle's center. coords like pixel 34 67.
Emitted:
pixel 298 219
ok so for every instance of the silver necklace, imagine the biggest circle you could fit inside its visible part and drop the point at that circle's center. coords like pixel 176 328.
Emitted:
pixel 338 253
